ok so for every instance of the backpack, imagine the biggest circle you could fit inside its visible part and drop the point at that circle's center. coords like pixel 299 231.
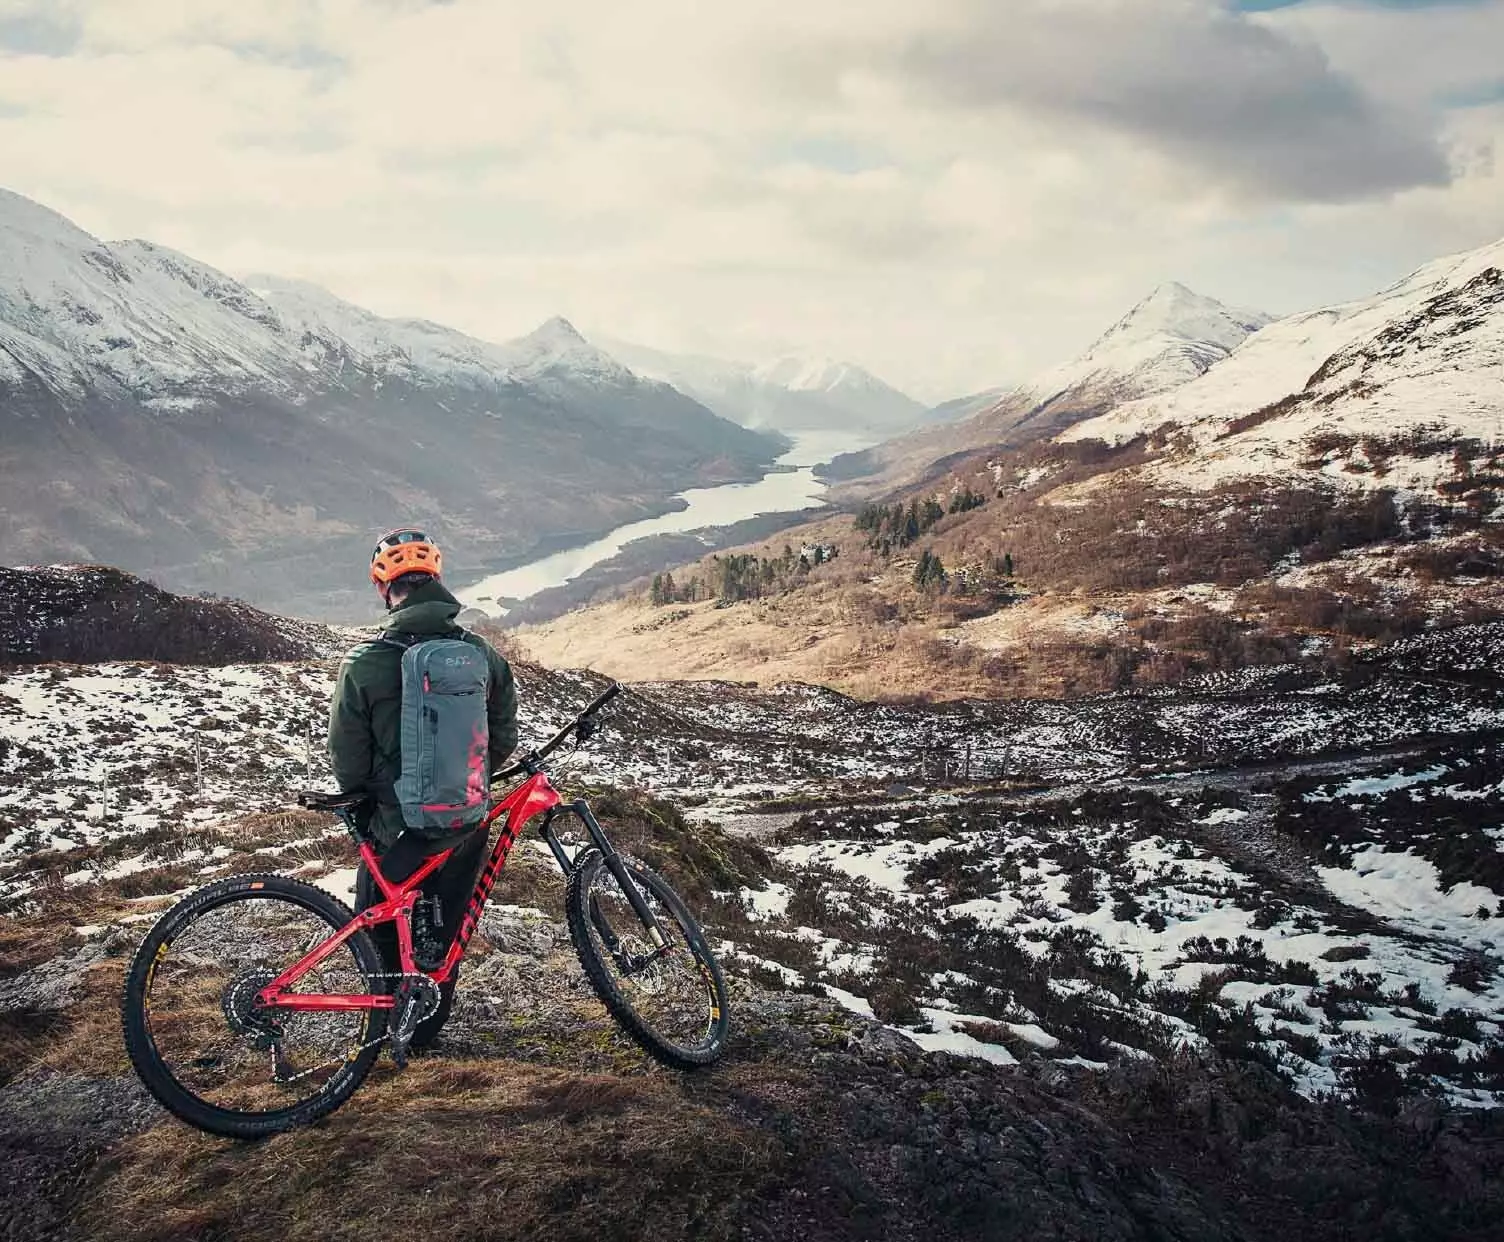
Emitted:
pixel 445 739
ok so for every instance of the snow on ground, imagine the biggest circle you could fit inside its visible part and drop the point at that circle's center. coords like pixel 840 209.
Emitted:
pixel 1068 927
pixel 1288 866
pixel 1409 891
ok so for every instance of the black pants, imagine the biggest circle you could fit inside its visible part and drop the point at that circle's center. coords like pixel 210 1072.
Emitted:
pixel 453 882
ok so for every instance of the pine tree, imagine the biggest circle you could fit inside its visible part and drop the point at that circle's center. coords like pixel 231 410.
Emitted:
pixel 911 523
pixel 922 569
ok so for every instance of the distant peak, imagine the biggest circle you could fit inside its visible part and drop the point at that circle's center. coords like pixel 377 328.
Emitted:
pixel 1173 293
pixel 557 329
pixel 1172 309
pixel 1173 290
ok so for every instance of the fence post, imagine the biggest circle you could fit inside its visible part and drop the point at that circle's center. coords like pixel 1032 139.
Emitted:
pixel 104 812
pixel 966 773
pixel 198 763
pixel 308 754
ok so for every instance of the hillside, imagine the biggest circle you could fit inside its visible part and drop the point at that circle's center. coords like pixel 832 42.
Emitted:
pixel 1376 391
pixel 1357 501
pixel 159 415
pixel 1215 961
pixel 88 613
pixel 1168 339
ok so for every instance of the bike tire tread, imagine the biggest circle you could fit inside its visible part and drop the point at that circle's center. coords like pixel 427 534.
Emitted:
pixel 183 1104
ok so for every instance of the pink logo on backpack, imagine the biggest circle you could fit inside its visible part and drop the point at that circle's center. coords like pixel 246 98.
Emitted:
pixel 475 785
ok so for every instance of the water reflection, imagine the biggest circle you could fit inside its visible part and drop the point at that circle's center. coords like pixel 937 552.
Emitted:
pixel 782 491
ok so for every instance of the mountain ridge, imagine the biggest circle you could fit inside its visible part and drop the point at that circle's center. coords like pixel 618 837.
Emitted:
pixel 791 393
pixel 1427 349
pixel 1166 339
pixel 161 415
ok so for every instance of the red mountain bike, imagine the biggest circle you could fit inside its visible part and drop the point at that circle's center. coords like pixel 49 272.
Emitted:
pixel 260 1003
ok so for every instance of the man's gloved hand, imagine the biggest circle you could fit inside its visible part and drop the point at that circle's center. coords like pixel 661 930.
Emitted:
pixel 585 730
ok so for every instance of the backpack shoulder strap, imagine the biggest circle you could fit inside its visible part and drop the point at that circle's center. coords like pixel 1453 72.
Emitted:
pixel 393 638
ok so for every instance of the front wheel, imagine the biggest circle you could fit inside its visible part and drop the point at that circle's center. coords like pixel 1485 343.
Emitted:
pixel 670 999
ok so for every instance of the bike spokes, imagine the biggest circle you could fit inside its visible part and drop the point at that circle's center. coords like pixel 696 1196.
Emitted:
pixel 211 1035
pixel 668 987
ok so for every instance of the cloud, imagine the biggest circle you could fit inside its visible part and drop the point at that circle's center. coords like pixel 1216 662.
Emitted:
pixel 36 29
pixel 1243 104
pixel 955 194
pixel 1437 53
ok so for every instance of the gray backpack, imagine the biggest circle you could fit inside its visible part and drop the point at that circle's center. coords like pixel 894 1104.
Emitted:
pixel 445 732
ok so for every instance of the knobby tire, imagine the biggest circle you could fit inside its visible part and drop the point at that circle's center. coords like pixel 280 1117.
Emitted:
pixel 603 972
pixel 153 1068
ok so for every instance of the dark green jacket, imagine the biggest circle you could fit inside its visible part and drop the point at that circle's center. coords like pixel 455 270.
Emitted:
pixel 365 720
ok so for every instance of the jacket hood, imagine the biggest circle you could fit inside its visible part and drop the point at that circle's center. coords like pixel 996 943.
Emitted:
pixel 429 609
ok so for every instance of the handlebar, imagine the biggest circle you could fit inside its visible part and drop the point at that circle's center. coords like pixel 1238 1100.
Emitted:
pixel 533 758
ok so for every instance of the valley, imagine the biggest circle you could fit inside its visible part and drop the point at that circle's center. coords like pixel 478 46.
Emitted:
pixel 1329 480
pixel 997 510
pixel 242 437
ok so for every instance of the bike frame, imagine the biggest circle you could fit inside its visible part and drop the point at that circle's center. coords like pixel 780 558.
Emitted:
pixel 534 796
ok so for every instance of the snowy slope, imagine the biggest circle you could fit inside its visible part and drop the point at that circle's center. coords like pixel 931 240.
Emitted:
pixel 141 319
pixel 791 393
pixel 421 351
pixel 1172 336
pixel 132 318
pixel 163 416
pixel 1426 352
pixel 1168 339
pixel 1284 864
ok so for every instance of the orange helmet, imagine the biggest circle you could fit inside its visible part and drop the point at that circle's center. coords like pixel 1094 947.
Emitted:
pixel 404 551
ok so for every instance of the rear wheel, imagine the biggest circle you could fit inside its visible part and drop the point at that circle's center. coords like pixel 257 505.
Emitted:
pixel 201 1044
pixel 671 1000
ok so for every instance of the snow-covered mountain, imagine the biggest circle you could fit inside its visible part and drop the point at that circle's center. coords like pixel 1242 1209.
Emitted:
pixel 244 436
pixel 1422 359
pixel 421 351
pixel 792 393
pixel 1171 337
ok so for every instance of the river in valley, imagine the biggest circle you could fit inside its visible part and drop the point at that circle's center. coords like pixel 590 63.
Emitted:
pixel 788 488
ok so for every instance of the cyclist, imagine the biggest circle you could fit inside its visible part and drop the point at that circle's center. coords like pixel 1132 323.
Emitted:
pixel 365 752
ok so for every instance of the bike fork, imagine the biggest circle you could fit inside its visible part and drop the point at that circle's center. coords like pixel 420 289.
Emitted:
pixel 614 864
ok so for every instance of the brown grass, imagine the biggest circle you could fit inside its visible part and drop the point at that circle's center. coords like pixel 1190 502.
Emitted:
pixel 89 1041
pixel 1091 535
pixel 455 1150
pixel 83 1038
pixel 26 941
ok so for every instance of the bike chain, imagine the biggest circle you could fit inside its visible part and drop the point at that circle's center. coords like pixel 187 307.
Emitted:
pixel 370 1043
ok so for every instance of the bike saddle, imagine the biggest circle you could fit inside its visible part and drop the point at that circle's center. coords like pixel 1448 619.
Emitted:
pixel 317 800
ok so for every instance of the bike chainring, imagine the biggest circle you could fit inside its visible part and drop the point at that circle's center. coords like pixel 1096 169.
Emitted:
pixel 417 997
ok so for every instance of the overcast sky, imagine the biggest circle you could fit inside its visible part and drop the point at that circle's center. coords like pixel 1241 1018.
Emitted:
pixel 954 193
